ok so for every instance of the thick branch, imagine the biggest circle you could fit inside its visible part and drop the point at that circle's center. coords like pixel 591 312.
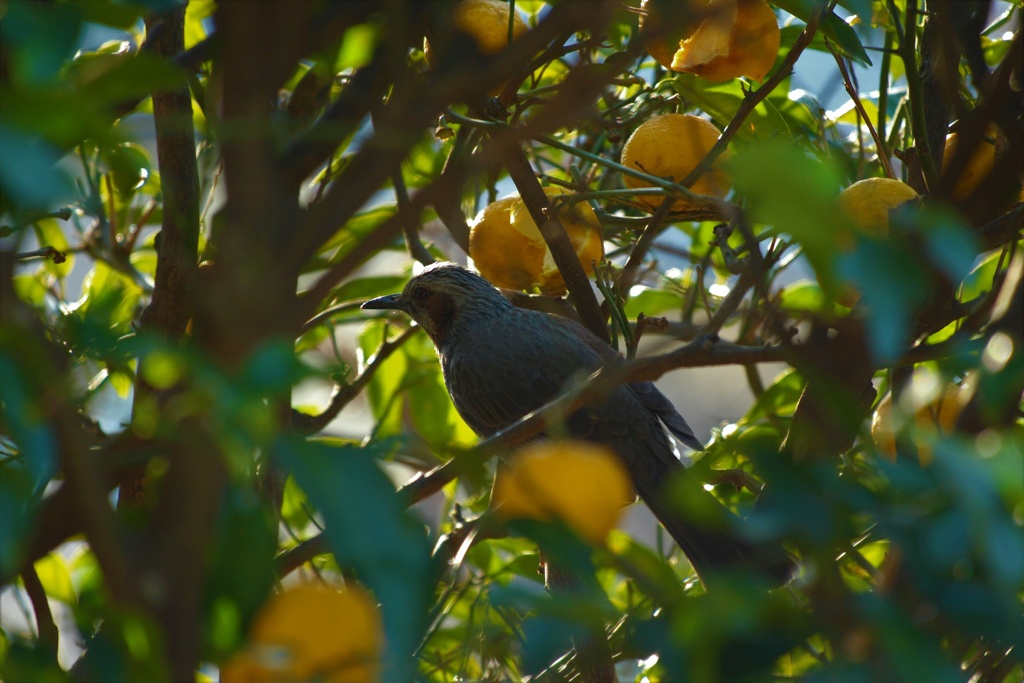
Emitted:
pixel 580 292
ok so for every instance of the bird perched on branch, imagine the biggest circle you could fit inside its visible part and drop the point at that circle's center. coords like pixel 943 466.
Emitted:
pixel 501 363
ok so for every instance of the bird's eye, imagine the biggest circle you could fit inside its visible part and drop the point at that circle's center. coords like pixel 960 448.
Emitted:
pixel 419 295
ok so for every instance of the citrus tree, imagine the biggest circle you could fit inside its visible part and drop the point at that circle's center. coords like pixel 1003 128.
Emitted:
pixel 197 197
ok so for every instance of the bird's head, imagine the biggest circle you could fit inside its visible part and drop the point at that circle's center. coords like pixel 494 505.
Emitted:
pixel 443 299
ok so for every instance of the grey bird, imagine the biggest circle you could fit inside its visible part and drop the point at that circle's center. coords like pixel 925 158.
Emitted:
pixel 501 363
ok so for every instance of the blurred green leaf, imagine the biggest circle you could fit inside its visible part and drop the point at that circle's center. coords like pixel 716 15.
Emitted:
pixel 894 283
pixel 197 12
pixel 239 573
pixel 29 177
pixel 25 421
pixel 55 577
pixel 49 234
pixel 357 47
pixel 794 192
pixel 370 532
pixel 802 296
pixel 40 38
pixel 129 165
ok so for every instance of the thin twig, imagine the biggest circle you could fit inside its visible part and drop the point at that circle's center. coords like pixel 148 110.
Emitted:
pixel 343 394
pixel 852 92
pixel 50 253
pixel 655 226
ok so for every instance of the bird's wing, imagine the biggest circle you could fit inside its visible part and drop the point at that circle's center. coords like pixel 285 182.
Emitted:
pixel 658 403
pixel 510 368
pixel 648 394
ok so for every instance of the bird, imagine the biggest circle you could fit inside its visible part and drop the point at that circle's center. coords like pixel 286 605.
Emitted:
pixel 501 363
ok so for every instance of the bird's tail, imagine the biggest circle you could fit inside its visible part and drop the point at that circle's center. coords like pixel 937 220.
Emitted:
pixel 705 531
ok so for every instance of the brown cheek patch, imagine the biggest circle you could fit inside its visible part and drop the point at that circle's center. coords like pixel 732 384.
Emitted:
pixel 441 309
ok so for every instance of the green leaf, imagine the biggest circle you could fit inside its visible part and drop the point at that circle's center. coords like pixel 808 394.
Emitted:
pixel 195 13
pixel 384 391
pixel 862 8
pixel 835 29
pixel 29 178
pixel 357 46
pixel 49 233
pixel 893 283
pixel 779 399
pixel 369 532
pixel 56 579
pixel 25 419
pixel 650 301
pixel 980 279
pixel 38 38
pixel 795 192
pixel 368 287
pixel 428 404
pixel 804 295
pixel 778 115
pixel 240 570
pixel 129 165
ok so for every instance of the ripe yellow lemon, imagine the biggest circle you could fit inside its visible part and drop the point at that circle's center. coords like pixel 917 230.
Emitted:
pixel 312 632
pixel 735 38
pixel 487 22
pixel 667 24
pixel 939 414
pixel 670 146
pixel 582 484
pixel 508 249
pixel 978 166
pixel 867 203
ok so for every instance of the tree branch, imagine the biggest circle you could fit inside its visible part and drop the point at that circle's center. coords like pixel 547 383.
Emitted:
pixel 343 395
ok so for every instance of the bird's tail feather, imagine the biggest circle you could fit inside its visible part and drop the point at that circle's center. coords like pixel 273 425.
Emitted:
pixel 710 544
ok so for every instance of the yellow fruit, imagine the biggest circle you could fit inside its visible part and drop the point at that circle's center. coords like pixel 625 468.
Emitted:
pixel 582 484
pixel 940 414
pixel 508 249
pixel 670 146
pixel 735 38
pixel 487 22
pixel 978 166
pixel 312 632
pixel 867 203
pixel 683 17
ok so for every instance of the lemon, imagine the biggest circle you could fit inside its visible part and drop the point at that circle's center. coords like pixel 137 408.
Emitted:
pixel 939 415
pixel 508 249
pixel 735 38
pixel 978 166
pixel 582 484
pixel 312 632
pixel 867 203
pixel 486 21
pixel 668 23
pixel 670 146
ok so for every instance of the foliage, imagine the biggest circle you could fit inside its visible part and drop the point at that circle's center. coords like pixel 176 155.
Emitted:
pixel 187 212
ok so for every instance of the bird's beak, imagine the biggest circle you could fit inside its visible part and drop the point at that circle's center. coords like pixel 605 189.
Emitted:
pixel 391 302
